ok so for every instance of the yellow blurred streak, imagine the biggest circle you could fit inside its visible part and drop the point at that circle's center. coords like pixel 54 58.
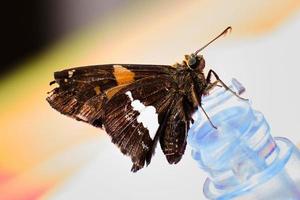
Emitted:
pixel 143 33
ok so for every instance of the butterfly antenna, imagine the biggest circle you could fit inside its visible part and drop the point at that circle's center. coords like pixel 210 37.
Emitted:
pixel 228 29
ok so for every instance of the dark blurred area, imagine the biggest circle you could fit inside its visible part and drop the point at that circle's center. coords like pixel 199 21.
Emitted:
pixel 28 27
pixel 23 31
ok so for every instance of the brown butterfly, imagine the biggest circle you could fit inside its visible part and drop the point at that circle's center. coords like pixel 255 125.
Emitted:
pixel 137 104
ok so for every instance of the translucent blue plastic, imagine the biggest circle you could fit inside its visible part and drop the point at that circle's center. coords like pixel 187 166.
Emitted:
pixel 242 159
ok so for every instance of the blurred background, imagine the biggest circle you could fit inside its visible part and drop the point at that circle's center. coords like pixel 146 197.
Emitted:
pixel 44 155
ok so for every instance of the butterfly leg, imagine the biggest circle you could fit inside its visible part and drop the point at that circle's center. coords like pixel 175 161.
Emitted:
pixel 214 84
pixel 199 92
pixel 208 118
pixel 211 86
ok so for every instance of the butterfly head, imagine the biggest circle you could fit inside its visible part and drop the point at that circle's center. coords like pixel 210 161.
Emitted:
pixel 195 62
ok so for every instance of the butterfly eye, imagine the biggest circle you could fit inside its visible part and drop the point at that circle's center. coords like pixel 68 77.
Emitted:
pixel 192 61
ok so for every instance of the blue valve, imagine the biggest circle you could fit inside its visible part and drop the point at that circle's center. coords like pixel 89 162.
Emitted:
pixel 241 158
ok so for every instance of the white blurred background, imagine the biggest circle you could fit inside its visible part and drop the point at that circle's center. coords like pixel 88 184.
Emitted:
pixel 44 155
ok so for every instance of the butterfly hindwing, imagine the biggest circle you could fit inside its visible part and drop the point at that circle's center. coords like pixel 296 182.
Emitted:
pixel 134 114
pixel 173 138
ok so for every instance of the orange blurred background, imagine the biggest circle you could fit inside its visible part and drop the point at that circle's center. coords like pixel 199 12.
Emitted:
pixel 44 155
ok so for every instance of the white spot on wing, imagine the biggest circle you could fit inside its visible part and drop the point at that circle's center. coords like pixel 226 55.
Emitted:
pixel 145 146
pixel 137 105
pixel 148 116
pixel 70 73
pixel 128 93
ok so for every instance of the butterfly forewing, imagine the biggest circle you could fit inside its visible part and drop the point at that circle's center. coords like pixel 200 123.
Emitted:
pixel 83 91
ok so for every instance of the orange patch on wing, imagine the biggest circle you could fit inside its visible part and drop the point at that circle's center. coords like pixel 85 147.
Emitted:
pixel 97 90
pixel 112 91
pixel 123 75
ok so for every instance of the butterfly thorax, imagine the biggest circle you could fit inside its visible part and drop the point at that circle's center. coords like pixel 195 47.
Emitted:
pixel 190 78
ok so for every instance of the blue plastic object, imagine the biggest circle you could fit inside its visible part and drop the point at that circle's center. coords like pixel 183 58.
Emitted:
pixel 242 159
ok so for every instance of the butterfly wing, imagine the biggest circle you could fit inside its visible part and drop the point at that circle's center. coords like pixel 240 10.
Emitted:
pixel 134 115
pixel 125 98
pixel 173 137
pixel 83 91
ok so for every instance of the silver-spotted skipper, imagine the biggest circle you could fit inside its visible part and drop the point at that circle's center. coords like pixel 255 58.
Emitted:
pixel 137 104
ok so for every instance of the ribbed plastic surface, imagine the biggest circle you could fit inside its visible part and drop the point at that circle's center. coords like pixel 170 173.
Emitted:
pixel 242 159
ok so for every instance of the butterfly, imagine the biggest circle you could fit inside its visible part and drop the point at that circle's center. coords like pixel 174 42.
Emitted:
pixel 137 105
